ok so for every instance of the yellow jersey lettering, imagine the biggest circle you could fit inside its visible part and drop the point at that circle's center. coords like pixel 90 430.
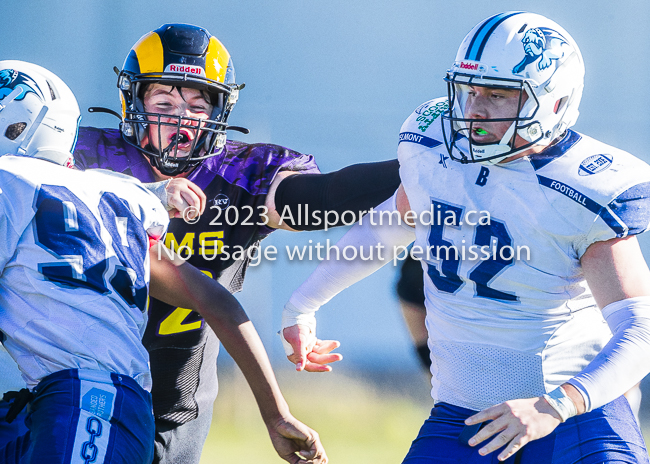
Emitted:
pixel 185 248
pixel 175 323
pixel 209 247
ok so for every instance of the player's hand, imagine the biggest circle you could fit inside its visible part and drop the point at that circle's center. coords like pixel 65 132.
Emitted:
pixel 296 443
pixel 310 353
pixel 514 423
pixel 186 199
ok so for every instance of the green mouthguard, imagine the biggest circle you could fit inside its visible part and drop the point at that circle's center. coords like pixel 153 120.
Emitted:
pixel 480 131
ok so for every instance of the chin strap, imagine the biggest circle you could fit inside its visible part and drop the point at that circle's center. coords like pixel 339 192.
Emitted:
pixel 493 150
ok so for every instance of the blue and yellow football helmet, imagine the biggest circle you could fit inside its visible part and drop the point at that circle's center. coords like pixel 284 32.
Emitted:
pixel 179 55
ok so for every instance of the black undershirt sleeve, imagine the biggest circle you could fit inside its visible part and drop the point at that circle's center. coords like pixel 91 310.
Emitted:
pixel 353 190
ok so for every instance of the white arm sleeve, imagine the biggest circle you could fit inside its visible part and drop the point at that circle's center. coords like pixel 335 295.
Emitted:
pixel 332 276
pixel 625 360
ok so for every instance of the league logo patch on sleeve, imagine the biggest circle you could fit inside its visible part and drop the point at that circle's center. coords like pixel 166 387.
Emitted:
pixel 11 79
pixel 428 112
pixel 594 164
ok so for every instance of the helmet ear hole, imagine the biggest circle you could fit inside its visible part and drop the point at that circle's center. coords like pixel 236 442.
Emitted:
pixel 14 130
pixel 559 105
pixel 207 143
pixel 52 93
pixel 217 102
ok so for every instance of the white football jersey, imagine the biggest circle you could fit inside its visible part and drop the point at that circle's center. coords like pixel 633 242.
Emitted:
pixel 11 379
pixel 75 268
pixel 509 312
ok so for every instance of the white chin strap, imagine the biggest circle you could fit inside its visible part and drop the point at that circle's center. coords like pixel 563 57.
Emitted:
pixel 481 152
pixel 55 156
pixel 33 127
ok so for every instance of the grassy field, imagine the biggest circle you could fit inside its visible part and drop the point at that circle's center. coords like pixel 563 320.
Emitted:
pixel 360 419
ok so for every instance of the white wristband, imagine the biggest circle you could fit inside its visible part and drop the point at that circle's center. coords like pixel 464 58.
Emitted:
pixel 290 317
pixel 560 401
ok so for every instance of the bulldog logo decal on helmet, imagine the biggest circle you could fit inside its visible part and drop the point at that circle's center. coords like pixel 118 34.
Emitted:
pixel 543 45
pixel 11 80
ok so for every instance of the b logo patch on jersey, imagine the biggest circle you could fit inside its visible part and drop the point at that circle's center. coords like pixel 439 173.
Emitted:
pixel 11 79
pixel 221 201
pixel 482 178
pixel 595 164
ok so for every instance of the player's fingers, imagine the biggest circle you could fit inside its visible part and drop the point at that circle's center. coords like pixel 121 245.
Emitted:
pixel 291 458
pixel 514 446
pixel 299 357
pixel 192 199
pixel 325 346
pixel 313 453
pixel 195 197
pixel 300 341
pixel 305 445
pixel 305 442
pixel 499 441
pixel 310 451
pixel 312 457
pixel 318 459
pixel 324 358
pixel 175 200
pixel 300 361
pixel 314 367
pixel 489 430
pixel 486 415
pixel 309 341
pixel 299 348
pixel 200 194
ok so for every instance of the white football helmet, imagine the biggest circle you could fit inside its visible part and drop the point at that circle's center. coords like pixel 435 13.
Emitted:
pixel 39 115
pixel 521 51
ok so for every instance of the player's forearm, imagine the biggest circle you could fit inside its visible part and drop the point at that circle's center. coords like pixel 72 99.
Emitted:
pixel 240 339
pixel 624 360
pixel 352 190
pixel 374 237
pixel 180 284
pixel 246 348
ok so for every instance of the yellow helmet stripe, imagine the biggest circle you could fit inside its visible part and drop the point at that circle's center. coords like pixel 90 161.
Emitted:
pixel 216 60
pixel 149 51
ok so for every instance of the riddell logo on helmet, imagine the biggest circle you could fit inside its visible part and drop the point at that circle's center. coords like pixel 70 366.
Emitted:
pixel 471 66
pixel 466 65
pixel 182 68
